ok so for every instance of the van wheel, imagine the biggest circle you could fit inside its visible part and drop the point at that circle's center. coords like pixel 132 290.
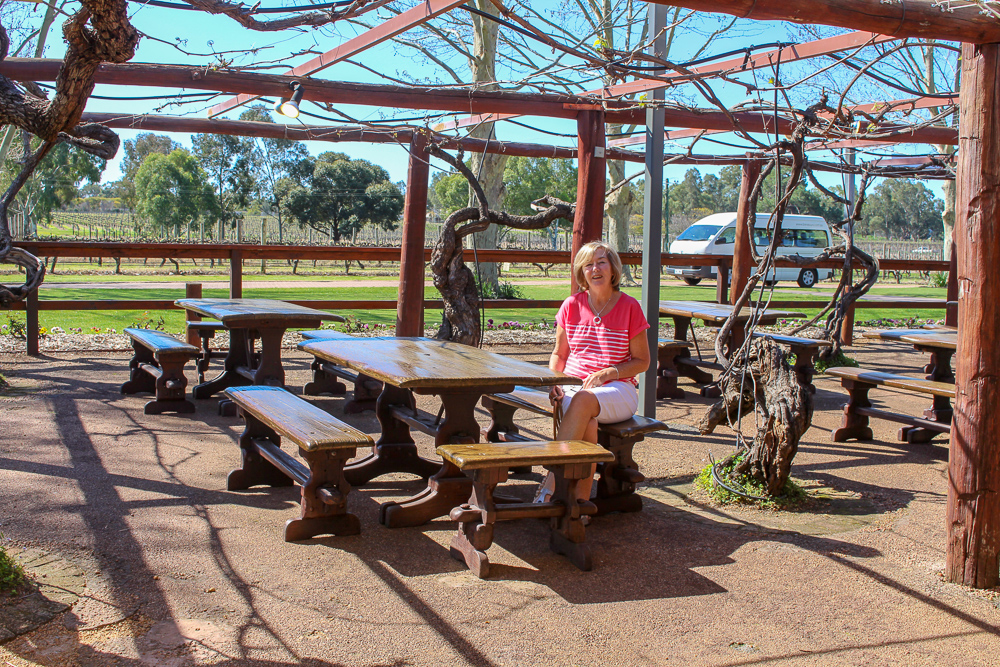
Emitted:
pixel 807 278
pixel 691 281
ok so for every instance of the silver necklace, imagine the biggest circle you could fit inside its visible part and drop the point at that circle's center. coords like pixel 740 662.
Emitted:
pixel 597 317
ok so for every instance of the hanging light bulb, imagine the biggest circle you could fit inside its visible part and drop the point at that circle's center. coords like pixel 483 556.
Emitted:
pixel 290 107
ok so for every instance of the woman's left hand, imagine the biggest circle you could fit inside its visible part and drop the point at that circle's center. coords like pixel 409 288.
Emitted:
pixel 599 378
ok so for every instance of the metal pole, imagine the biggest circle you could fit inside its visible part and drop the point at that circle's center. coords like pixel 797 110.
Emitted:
pixel 652 223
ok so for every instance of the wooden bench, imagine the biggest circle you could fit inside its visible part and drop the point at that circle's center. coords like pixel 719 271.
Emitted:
pixel 326 444
pixel 618 478
pixel 858 382
pixel 157 367
pixel 488 465
pixel 206 330
pixel 678 361
pixel 325 374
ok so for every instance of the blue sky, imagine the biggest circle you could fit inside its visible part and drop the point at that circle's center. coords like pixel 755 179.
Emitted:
pixel 204 34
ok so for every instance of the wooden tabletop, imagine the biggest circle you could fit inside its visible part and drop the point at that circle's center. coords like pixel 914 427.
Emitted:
pixel 411 363
pixel 942 339
pixel 717 313
pixel 239 313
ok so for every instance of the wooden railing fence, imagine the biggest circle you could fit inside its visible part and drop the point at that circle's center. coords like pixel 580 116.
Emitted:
pixel 236 254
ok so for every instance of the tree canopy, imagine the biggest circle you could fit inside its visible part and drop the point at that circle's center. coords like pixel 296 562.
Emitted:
pixel 902 209
pixel 173 192
pixel 339 195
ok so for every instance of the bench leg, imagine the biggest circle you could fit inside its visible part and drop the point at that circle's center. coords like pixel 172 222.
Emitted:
pixel 475 522
pixel 256 470
pixel 697 374
pixel 854 425
pixel 139 380
pixel 324 498
pixel 940 411
pixel 170 388
pixel 567 532
pixel 618 479
pixel 323 382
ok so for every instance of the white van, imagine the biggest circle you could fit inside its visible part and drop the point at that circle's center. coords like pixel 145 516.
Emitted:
pixel 805 235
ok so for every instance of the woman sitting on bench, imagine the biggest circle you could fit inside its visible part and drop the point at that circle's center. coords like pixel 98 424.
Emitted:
pixel 599 339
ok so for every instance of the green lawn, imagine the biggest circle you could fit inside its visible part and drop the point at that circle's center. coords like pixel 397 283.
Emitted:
pixel 173 320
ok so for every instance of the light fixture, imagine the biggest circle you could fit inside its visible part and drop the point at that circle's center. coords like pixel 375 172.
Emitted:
pixel 290 107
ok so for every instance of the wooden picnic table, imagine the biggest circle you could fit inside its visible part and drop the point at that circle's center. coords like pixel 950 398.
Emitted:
pixel 713 315
pixel 941 345
pixel 247 320
pixel 460 375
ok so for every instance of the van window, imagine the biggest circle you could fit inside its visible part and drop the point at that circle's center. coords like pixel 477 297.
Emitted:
pixel 727 236
pixel 811 238
pixel 698 233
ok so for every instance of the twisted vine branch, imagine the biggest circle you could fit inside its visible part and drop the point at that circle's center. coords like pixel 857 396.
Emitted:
pixel 451 276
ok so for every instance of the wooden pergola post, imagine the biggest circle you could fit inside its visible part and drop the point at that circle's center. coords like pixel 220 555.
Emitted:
pixel 591 182
pixel 974 459
pixel 410 304
pixel 743 263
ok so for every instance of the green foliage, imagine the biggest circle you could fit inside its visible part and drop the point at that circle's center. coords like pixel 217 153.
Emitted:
pixel 503 290
pixel 902 208
pixel 836 360
pixel 527 179
pixel 136 151
pixel 448 193
pixel 341 195
pixel 938 279
pixel 14 327
pixel 698 196
pixel 791 495
pixel 12 575
pixel 172 192
pixel 55 183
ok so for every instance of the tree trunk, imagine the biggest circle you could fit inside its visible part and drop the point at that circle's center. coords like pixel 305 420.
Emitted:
pixel 619 209
pixel 489 168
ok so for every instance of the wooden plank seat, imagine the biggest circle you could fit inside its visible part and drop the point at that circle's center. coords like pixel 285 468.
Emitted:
pixel 326 444
pixel 325 377
pixel 618 479
pixel 488 465
pixel 157 366
pixel 206 330
pixel 858 382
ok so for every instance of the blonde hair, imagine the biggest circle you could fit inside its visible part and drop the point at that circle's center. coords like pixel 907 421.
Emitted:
pixel 586 255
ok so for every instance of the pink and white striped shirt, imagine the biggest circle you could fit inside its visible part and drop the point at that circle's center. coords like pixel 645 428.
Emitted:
pixel 593 346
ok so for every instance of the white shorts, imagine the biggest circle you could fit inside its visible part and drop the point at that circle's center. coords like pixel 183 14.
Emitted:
pixel 618 400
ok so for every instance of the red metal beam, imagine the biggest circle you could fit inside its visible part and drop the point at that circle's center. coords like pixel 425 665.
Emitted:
pixel 380 33
pixel 819 47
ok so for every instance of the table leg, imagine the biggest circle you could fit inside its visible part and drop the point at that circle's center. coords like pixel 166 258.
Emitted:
pixel 449 487
pixel 681 326
pixel 395 450
pixel 269 371
pixel 940 409
pixel 229 377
